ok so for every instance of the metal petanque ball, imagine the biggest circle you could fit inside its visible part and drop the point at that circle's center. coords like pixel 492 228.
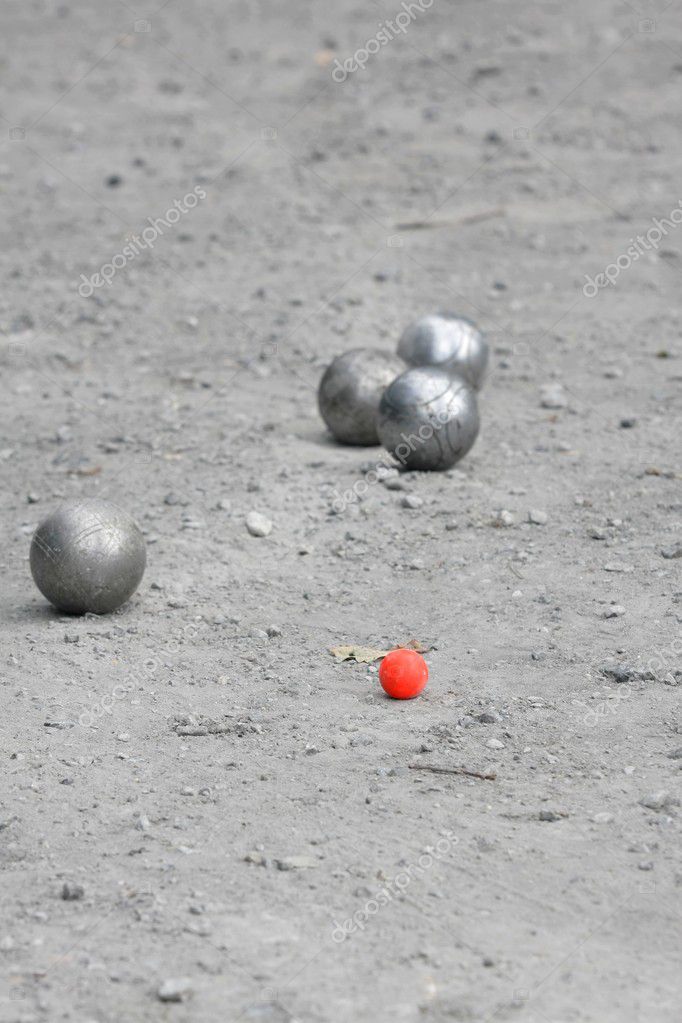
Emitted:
pixel 450 342
pixel 88 556
pixel 350 392
pixel 428 419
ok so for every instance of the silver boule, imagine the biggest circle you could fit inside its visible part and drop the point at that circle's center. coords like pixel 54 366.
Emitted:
pixel 450 342
pixel 428 419
pixel 88 555
pixel 350 391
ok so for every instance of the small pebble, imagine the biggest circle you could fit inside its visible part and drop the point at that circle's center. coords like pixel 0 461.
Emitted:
pixel 553 396
pixel 503 518
pixel 188 522
pixel 296 863
pixel 538 518
pixel 412 501
pixel 603 818
pixel 175 989
pixel 550 815
pixel 494 744
pixel 659 800
pixel 614 611
pixel 256 858
pixel 258 525
pixel 72 892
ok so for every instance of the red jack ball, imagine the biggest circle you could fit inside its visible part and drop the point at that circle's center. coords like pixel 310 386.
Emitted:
pixel 403 674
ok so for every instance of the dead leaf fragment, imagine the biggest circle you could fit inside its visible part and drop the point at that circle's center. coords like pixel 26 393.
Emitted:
pixel 370 654
pixel 416 644
pixel 361 654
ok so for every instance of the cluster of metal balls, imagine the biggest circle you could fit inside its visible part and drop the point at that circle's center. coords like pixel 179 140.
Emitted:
pixel 90 556
pixel 420 403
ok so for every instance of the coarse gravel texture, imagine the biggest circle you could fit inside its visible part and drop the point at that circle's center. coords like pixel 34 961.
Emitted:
pixel 203 816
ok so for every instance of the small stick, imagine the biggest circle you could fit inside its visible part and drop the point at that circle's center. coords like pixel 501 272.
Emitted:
pixel 471 218
pixel 453 770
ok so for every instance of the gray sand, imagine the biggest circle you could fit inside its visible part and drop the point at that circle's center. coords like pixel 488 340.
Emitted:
pixel 203 816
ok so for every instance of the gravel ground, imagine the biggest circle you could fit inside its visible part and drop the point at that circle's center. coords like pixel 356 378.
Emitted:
pixel 203 816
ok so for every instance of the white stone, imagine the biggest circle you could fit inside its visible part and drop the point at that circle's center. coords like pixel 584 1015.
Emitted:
pixel 175 989
pixel 258 525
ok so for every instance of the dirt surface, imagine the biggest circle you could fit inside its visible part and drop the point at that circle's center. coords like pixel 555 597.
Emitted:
pixel 232 811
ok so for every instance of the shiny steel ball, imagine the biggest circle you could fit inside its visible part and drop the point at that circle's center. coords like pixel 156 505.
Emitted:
pixel 88 556
pixel 428 419
pixel 350 392
pixel 450 342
